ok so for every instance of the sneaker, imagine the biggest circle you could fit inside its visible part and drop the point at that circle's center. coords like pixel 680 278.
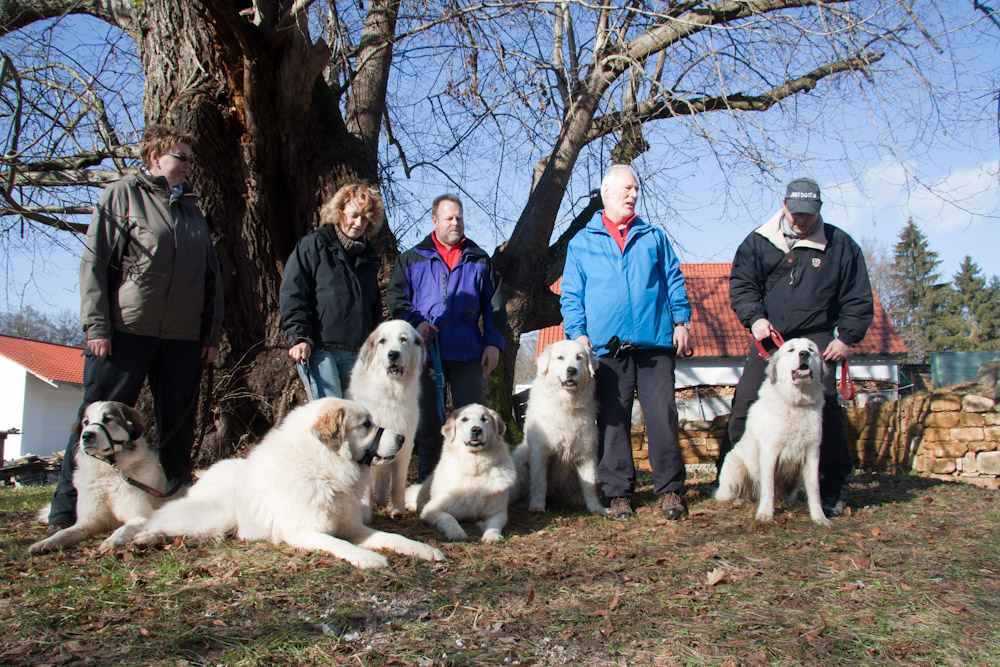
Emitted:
pixel 56 526
pixel 833 507
pixel 672 506
pixel 621 508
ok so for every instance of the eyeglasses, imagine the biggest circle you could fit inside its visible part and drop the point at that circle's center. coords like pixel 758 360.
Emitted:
pixel 181 157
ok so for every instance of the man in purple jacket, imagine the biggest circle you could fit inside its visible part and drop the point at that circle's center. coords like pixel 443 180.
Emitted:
pixel 447 288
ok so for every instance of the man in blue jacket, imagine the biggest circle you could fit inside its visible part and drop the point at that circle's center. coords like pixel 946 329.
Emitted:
pixel 623 294
pixel 447 288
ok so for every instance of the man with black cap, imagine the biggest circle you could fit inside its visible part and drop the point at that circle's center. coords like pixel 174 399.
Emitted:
pixel 803 278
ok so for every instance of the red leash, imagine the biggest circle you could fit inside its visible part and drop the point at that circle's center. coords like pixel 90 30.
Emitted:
pixel 847 389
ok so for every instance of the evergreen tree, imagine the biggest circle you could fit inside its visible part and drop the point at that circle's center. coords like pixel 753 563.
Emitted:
pixel 918 311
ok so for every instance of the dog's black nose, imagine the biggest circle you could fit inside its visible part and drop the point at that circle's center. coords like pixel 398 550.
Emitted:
pixel 803 355
pixel 477 431
pixel 87 437
pixel 393 355
pixel 571 371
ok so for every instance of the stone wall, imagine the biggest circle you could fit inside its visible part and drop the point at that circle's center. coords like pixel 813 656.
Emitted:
pixel 953 435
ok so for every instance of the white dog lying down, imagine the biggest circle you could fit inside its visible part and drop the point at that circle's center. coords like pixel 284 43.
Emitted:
pixel 386 380
pixel 301 485
pixel 472 480
pixel 557 462
pixel 111 449
pixel 780 447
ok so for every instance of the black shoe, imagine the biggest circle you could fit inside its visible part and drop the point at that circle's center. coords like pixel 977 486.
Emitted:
pixel 621 508
pixel 672 506
pixel 56 526
pixel 833 507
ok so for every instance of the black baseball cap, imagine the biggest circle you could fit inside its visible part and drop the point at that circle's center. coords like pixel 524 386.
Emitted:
pixel 802 196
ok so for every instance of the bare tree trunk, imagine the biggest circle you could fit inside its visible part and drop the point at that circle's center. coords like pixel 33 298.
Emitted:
pixel 272 146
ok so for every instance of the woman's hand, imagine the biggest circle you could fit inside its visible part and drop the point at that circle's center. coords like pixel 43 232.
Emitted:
pixel 100 347
pixel 209 355
pixel 299 352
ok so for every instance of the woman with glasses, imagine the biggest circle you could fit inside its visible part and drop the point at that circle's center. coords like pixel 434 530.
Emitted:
pixel 330 299
pixel 151 303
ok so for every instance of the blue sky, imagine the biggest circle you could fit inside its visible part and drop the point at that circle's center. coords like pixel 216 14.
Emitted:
pixel 941 170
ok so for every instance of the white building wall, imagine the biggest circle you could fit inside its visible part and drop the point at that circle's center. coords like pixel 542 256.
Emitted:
pixel 13 378
pixel 49 413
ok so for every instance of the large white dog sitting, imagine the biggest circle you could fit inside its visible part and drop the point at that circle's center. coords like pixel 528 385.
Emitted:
pixel 301 485
pixel 472 480
pixel 112 451
pixel 557 462
pixel 780 447
pixel 386 380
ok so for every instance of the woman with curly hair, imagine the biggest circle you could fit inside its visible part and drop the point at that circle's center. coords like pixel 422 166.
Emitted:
pixel 330 299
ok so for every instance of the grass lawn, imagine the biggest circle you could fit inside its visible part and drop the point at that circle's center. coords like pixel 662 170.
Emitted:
pixel 911 577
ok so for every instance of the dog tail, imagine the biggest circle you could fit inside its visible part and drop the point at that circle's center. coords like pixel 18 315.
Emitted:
pixel 43 514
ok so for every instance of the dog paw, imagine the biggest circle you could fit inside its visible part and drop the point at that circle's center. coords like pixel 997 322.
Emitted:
pixel 40 547
pixel 435 555
pixel 822 521
pixel 536 507
pixel 765 515
pixel 148 539
pixel 600 510
pixel 372 561
pixel 492 535
pixel 456 533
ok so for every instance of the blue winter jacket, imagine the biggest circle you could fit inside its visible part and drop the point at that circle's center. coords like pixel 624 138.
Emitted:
pixel 423 289
pixel 637 295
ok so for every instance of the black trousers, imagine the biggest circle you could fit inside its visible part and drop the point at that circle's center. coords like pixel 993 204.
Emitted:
pixel 650 373
pixel 464 379
pixel 835 464
pixel 174 371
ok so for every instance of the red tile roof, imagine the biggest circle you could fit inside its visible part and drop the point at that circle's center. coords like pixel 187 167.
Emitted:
pixel 717 332
pixel 54 363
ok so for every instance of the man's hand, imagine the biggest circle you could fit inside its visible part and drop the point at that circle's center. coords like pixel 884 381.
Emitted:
pixel 209 355
pixel 682 339
pixel 836 351
pixel 100 347
pixel 761 329
pixel 300 352
pixel 426 331
pixel 585 339
pixel 491 356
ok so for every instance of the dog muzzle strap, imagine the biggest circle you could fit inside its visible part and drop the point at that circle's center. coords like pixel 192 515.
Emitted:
pixel 114 443
pixel 369 456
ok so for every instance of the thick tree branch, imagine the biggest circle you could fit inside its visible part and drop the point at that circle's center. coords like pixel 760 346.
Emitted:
pixel 674 30
pixel 666 108
pixel 37 213
pixel 16 14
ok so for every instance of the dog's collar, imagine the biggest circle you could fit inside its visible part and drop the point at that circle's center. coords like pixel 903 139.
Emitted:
pixel 370 454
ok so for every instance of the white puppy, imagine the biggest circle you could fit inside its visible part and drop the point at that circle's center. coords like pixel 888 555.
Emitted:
pixel 557 462
pixel 386 380
pixel 472 480
pixel 112 450
pixel 780 446
pixel 301 485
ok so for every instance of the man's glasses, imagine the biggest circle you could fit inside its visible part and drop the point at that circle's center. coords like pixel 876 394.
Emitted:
pixel 179 156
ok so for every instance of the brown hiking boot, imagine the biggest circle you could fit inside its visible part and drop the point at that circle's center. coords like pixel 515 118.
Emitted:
pixel 672 506
pixel 621 509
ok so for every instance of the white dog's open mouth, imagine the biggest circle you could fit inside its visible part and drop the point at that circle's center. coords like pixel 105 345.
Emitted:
pixel 475 443
pixel 570 383
pixel 382 460
pixel 395 369
pixel 804 373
